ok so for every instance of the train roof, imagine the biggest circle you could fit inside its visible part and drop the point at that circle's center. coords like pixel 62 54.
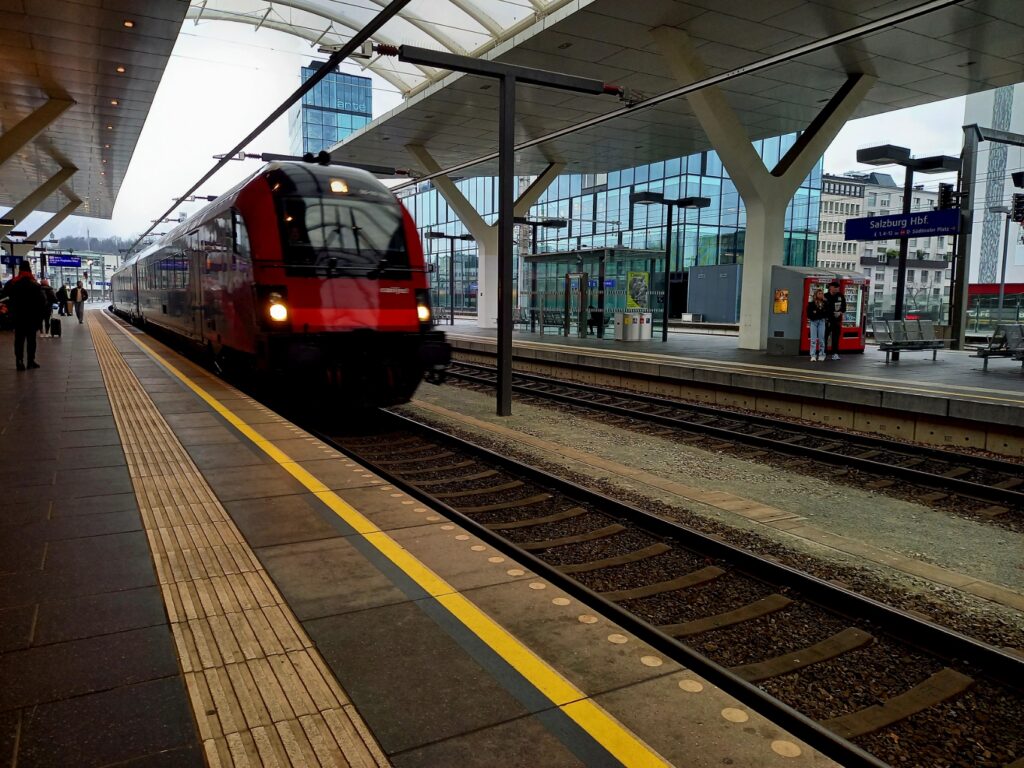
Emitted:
pixel 226 200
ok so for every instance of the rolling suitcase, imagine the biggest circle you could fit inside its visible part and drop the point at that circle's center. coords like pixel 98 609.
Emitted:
pixel 55 327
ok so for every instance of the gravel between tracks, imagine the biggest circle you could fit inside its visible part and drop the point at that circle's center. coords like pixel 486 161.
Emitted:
pixel 911 529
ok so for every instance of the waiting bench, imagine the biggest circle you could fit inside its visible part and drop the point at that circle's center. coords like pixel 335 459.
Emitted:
pixel 906 336
pixel 1007 341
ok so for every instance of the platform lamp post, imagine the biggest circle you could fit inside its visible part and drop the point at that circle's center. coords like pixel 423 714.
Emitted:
pixel 657 198
pixel 451 267
pixel 1006 245
pixel 891 155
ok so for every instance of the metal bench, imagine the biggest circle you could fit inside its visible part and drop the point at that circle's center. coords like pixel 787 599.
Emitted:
pixel 1007 341
pixel 906 336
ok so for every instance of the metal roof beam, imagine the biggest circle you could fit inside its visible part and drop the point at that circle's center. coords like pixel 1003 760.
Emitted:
pixel 30 127
pixel 47 188
pixel 239 18
pixel 470 9
pixel 428 29
pixel 54 221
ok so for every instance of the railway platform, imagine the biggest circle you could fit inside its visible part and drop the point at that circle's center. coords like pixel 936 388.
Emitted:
pixel 187 578
pixel 952 401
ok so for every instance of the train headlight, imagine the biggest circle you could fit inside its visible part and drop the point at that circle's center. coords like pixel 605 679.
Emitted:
pixel 339 186
pixel 278 311
pixel 423 313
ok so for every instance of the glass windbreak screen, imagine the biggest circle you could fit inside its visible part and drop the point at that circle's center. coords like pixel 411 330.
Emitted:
pixel 343 235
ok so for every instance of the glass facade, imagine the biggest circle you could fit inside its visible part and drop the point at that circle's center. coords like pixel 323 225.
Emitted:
pixel 338 105
pixel 598 215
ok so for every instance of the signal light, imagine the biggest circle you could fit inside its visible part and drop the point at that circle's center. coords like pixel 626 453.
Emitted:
pixel 946 197
pixel 1017 208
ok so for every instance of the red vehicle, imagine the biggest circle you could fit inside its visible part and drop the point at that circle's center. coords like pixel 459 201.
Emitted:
pixel 302 269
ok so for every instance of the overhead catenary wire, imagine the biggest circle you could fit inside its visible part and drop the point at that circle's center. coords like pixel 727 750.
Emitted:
pixel 328 66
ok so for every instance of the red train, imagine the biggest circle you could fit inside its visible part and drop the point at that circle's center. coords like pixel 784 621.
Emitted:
pixel 302 269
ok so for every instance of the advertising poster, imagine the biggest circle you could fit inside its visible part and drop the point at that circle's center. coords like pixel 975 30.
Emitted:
pixel 637 291
pixel 781 304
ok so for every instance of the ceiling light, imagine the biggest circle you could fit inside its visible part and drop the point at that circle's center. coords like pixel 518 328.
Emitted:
pixel 106 146
pixel 104 160
pixel 563 46
pixel 128 23
pixel 114 102
pixel 110 127
pixel 120 70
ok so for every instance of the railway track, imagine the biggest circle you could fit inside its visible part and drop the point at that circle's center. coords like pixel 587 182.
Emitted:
pixel 861 681
pixel 946 476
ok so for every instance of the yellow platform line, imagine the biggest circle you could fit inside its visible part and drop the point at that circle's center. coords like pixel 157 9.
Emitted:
pixel 605 729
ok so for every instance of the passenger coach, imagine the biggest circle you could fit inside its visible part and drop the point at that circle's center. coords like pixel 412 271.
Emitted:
pixel 303 269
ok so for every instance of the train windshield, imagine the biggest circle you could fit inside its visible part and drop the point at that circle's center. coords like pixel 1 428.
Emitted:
pixel 349 235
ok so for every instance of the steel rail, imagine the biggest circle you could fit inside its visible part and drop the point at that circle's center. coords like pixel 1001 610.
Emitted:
pixel 935 640
pixel 799 725
pixel 917 476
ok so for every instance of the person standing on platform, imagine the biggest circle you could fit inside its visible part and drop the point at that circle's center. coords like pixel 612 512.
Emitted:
pixel 78 297
pixel 51 299
pixel 25 297
pixel 62 300
pixel 835 302
pixel 817 316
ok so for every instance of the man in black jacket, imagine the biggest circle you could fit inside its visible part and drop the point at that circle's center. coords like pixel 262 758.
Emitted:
pixel 835 303
pixel 26 301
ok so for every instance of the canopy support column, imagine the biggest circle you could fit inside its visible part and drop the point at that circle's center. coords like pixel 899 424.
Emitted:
pixel 486 235
pixel 766 194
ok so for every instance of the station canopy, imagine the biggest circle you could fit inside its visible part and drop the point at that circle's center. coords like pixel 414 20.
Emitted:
pixel 969 46
pixel 85 52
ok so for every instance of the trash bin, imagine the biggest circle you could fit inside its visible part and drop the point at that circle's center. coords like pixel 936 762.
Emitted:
pixel 620 326
pixel 645 324
pixel 631 328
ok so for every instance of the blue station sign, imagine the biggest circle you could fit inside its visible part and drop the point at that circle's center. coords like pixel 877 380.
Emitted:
pixel 56 260
pixel 921 224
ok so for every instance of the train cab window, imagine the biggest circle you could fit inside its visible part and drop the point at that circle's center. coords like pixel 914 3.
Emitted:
pixel 344 235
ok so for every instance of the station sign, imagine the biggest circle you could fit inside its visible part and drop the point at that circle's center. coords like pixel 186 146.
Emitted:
pixel 10 259
pixel 58 260
pixel 899 225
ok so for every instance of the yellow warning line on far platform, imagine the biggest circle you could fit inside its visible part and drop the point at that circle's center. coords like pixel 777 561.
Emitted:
pixel 606 730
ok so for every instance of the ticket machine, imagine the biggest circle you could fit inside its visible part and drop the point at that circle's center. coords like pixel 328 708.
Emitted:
pixel 792 290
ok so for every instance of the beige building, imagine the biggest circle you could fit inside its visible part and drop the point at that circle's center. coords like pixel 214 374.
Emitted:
pixel 928 258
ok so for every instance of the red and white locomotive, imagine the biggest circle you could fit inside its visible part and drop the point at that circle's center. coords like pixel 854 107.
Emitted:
pixel 301 268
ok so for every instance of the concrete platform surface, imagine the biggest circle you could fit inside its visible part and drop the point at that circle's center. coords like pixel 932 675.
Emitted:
pixel 240 590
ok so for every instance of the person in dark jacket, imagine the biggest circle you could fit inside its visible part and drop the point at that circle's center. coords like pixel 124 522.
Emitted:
pixel 51 299
pixel 25 297
pixel 817 316
pixel 62 300
pixel 78 297
pixel 835 303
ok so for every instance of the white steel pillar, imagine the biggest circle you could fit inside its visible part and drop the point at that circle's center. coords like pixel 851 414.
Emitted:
pixel 54 221
pixel 47 188
pixel 486 235
pixel 30 127
pixel 766 194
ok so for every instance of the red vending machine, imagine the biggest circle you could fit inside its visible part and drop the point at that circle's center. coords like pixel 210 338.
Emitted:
pixel 855 288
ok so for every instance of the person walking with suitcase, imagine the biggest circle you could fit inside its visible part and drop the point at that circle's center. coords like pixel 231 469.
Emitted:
pixel 62 300
pixel 26 298
pixel 51 299
pixel 78 297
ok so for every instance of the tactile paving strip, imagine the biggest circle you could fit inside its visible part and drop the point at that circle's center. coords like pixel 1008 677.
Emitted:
pixel 260 692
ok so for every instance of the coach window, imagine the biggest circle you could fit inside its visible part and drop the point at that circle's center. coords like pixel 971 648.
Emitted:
pixel 241 238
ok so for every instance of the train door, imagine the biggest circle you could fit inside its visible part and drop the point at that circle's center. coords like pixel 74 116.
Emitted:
pixel 194 289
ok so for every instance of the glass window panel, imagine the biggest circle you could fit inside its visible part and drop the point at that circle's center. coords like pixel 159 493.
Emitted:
pixel 640 174
pixel 672 167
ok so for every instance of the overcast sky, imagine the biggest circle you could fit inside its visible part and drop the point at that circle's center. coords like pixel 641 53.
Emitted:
pixel 223 79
